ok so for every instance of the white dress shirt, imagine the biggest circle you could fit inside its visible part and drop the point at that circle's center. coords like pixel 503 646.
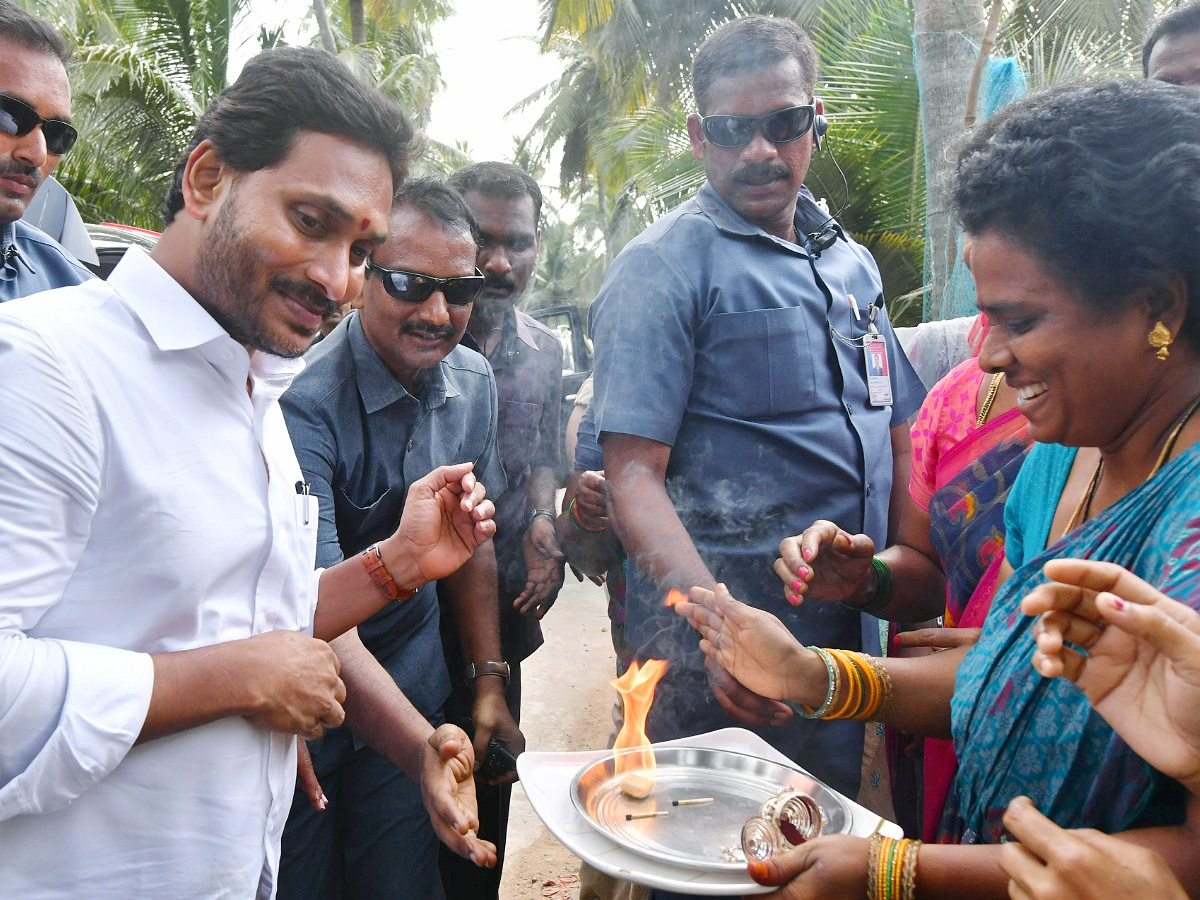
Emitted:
pixel 147 504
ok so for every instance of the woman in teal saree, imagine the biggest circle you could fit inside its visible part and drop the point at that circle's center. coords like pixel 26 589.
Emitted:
pixel 1082 236
pixel 1019 733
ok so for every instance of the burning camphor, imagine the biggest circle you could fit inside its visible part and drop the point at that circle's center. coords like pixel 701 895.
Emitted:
pixel 632 754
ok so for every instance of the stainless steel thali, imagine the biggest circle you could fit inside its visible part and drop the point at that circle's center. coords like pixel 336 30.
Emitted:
pixel 708 835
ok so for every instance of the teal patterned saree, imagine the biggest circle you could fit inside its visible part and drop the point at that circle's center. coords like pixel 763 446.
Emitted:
pixel 1019 733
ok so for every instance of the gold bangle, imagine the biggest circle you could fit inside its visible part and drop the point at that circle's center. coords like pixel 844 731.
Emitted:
pixel 873 852
pixel 853 686
pixel 877 686
pixel 900 852
pixel 886 865
pixel 871 699
pixel 868 683
pixel 908 881
pixel 873 670
pixel 885 678
pixel 372 560
pixel 870 686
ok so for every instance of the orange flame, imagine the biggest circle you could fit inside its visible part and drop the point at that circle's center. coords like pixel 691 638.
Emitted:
pixel 674 597
pixel 636 688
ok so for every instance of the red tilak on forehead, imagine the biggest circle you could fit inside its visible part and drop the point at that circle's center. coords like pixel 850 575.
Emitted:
pixel 363 225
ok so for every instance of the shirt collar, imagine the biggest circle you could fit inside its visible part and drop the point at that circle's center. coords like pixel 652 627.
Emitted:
pixel 172 316
pixel 513 326
pixel 808 214
pixel 377 385
pixel 524 332
pixel 176 321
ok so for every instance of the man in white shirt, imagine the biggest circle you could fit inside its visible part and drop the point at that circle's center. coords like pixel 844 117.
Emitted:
pixel 157 590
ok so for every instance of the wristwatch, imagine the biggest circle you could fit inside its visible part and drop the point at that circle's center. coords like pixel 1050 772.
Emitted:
pixel 540 511
pixel 489 667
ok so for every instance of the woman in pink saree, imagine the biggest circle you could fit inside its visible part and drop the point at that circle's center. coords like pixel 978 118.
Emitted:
pixel 969 441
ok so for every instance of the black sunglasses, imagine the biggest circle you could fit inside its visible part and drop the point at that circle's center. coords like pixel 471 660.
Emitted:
pixel 18 119
pixel 416 288
pixel 779 127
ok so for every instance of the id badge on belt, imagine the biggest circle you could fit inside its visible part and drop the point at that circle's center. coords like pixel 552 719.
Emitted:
pixel 879 373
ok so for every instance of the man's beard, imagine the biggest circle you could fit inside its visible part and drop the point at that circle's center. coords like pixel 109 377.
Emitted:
pixel 492 308
pixel 226 285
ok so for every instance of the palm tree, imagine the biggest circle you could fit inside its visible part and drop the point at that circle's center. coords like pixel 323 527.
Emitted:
pixel 387 43
pixel 618 112
pixel 144 70
pixel 635 149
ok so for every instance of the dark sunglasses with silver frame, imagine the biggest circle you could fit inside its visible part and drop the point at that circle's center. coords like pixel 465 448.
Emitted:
pixel 780 127
pixel 18 118
pixel 414 287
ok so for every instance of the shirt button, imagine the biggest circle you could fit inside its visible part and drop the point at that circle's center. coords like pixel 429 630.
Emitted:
pixel 868 489
pixel 410 445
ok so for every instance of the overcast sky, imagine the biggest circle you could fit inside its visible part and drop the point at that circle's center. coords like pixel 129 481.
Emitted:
pixel 490 61
pixel 489 58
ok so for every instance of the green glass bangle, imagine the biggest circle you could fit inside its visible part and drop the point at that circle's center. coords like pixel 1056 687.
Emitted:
pixel 577 522
pixel 833 680
pixel 885 585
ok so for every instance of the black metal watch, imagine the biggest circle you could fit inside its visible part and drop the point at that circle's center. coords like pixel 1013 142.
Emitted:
pixel 540 511
pixel 489 667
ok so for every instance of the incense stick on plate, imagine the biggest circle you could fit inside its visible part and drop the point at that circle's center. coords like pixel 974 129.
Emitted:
pixel 629 817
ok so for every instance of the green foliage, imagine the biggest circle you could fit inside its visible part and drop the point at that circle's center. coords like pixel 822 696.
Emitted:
pixel 634 150
pixel 145 69
pixel 142 72
pixel 618 111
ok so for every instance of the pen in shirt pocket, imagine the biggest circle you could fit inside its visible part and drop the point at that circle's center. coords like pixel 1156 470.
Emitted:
pixel 302 489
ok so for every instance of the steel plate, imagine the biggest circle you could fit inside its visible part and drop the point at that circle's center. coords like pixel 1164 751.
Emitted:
pixel 707 836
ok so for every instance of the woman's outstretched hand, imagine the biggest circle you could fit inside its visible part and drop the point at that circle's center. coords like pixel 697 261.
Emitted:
pixel 754 647
pixel 1142 668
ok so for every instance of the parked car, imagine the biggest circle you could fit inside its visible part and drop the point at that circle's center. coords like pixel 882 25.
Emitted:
pixel 111 241
pixel 567 323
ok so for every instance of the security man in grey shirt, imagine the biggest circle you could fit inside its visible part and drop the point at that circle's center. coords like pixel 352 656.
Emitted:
pixel 384 399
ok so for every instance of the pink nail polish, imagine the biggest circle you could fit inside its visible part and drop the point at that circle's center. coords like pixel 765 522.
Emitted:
pixel 1118 603
pixel 803 571
pixel 806 553
pixel 797 584
pixel 794 599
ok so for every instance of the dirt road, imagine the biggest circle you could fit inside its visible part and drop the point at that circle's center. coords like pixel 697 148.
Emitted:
pixel 566 705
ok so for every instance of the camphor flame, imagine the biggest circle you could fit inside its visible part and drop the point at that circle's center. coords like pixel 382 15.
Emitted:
pixel 636 688
pixel 674 597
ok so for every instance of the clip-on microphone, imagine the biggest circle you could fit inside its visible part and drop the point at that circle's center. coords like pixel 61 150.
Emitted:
pixel 825 235
pixel 818 241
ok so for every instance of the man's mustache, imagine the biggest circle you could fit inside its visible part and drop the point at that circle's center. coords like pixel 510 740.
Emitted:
pixel 13 167
pixel 498 282
pixel 760 173
pixel 441 332
pixel 306 292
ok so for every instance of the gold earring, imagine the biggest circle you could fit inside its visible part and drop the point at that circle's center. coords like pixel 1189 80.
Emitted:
pixel 1160 339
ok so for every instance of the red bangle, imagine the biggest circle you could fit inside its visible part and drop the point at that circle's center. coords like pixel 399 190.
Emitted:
pixel 373 563
pixel 573 515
